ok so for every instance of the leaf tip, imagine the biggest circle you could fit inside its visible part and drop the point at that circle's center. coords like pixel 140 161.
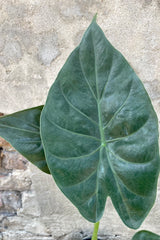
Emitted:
pixel 95 17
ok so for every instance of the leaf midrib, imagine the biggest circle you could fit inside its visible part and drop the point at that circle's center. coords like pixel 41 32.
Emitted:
pixel 12 117
pixel 103 140
pixel 102 137
pixel 19 129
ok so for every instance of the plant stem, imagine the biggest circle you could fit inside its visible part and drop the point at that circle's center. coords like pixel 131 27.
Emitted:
pixel 95 232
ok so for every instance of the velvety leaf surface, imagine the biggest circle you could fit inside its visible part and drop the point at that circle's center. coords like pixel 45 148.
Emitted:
pixel 99 132
pixel 145 235
pixel 21 130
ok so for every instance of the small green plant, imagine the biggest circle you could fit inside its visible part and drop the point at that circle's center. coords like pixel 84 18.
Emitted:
pixel 97 133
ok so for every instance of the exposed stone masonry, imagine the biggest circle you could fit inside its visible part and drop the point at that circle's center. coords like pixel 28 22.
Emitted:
pixel 15 187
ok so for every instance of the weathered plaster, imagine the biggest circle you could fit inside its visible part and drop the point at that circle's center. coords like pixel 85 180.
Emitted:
pixel 36 37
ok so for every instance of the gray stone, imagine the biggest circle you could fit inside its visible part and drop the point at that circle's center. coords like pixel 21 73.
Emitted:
pixel 48 48
pixel 1 201
pixel 16 181
pixel 25 224
pixel 13 160
pixel 4 222
pixel 11 202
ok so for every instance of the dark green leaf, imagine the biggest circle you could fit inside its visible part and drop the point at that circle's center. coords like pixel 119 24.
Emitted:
pixel 21 130
pixel 99 132
pixel 145 235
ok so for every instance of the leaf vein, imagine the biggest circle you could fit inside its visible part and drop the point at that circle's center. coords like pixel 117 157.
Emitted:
pixel 30 124
pixel 118 186
pixel 75 108
pixel 117 175
pixel 86 79
pixel 70 131
pixel 85 179
pixel 119 109
pixel 121 138
pixel 69 158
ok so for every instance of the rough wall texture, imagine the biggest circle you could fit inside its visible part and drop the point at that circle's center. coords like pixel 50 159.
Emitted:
pixel 36 37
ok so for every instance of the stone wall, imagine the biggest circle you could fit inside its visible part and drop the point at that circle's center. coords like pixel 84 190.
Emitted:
pixel 36 37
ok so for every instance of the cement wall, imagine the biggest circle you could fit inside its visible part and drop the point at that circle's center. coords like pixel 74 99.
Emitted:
pixel 36 37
